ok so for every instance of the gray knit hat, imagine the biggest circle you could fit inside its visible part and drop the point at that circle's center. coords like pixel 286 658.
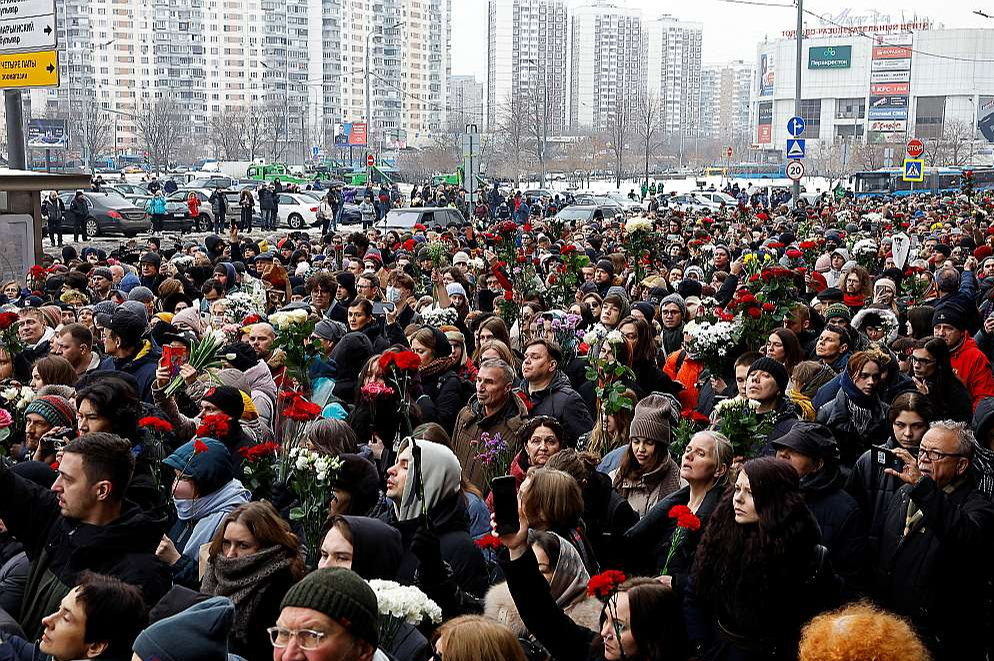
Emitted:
pixel 341 595
pixel 652 419
pixel 677 300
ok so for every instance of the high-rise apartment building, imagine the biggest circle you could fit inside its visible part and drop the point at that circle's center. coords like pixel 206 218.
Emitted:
pixel 606 62
pixel 465 102
pixel 307 57
pixel 724 112
pixel 673 61
pixel 527 58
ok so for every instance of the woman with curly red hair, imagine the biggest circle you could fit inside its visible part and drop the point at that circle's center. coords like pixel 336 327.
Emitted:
pixel 859 632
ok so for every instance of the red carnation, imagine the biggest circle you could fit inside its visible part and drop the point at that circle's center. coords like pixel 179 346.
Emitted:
pixel 567 249
pixel 685 518
pixel 256 452
pixel 698 417
pixel 302 410
pixel 199 447
pixel 155 424
pixel 605 584
pixel 488 542
pixel 410 244
pixel 755 313
pixel 508 295
pixel 407 360
pixel 769 307
pixel 794 253
pixel 214 426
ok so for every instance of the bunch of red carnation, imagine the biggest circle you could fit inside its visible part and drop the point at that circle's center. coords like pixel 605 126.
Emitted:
pixel 605 584
pixel 256 452
pixel 404 361
pixel 155 424
pixel 685 518
pixel 214 426
pixel 299 408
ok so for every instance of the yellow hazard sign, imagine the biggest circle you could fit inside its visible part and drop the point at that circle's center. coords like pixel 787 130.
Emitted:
pixel 40 69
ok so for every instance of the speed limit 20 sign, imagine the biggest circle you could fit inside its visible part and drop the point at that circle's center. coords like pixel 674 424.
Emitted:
pixel 795 170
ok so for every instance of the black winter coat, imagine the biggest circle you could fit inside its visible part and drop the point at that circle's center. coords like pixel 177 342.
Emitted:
pixel 59 549
pixel 938 575
pixel 852 443
pixel 563 403
pixel 607 516
pixel 648 541
pixel 383 335
pixel 842 523
pixel 872 489
pixel 442 399
pixel 451 523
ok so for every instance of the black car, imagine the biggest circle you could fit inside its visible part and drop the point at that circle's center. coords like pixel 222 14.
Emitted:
pixel 109 213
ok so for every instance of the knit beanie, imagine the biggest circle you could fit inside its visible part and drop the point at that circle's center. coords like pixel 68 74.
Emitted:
pixel 226 398
pixel 652 419
pixel 455 289
pixel 678 301
pixel 606 265
pixel 57 411
pixel 837 310
pixel 199 633
pixel 774 369
pixel 341 595
pixel 884 283
pixel 191 317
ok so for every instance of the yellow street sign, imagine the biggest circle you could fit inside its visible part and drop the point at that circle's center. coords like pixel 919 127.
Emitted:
pixel 40 69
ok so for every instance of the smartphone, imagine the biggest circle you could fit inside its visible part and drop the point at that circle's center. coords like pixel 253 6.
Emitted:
pixel 172 358
pixel 505 494
pixel 381 308
pixel 885 458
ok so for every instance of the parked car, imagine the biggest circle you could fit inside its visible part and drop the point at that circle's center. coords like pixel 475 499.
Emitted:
pixel 212 181
pixel 543 193
pixel 430 217
pixel 690 202
pixel 125 189
pixel 297 210
pixel 717 197
pixel 629 205
pixel 581 213
pixel 109 213
pixel 178 218
pixel 205 220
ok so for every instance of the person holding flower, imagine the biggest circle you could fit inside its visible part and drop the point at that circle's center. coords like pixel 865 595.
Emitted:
pixel 653 547
pixel 640 620
pixel 441 398
pixel 253 559
pixel 204 492
pixel 766 385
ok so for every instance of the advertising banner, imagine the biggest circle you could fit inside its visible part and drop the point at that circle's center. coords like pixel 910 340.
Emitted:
pixel 830 57
pixel 890 65
pixel 766 75
pixel 889 126
pixel 48 134
pixel 890 76
pixel 890 87
pixel 985 117
pixel 765 135
pixel 350 134
pixel 891 52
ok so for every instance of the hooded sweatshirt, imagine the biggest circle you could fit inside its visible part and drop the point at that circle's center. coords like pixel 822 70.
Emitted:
pixel 200 633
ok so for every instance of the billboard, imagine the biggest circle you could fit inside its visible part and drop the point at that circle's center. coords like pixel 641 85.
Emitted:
pixel 766 75
pixel 765 112
pixel 48 134
pixel 888 107
pixel 890 65
pixel 890 87
pixel 350 134
pixel 829 57
pixel 890 76
pixel 985 117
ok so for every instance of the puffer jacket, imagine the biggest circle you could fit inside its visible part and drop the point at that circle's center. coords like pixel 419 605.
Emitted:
pixel 853 443
pixel 843 526
pixel 262 391
pixel 564 404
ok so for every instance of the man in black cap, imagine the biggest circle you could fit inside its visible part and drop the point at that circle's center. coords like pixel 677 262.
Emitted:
pixel 766 384
pixel 811 450
pixel 604 275
pixel 149 264
pixel 101 282
pixel 326 335
pixel 127 350
pixel 949 322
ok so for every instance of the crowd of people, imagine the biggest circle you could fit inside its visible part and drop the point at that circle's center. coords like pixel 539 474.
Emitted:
pixel 762 433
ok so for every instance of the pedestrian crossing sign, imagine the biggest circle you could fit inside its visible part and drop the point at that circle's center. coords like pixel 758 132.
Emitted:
pixel 914 169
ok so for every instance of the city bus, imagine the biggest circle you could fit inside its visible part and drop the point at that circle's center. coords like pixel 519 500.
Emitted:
pixel 938 181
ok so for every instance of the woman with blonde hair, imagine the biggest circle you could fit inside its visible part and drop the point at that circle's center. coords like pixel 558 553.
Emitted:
pixel 610 430
pixel 551 501
pixel 475 638
pixel 497 349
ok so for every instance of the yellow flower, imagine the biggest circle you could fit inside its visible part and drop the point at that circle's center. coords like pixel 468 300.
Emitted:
pixel 751 257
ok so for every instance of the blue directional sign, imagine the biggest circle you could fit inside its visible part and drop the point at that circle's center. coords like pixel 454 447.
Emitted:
pixel 795 148
pixel 795 126
pixel 914 169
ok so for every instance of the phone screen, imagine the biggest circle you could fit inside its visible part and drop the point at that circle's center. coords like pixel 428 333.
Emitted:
pixel 505 504
pixel 885 458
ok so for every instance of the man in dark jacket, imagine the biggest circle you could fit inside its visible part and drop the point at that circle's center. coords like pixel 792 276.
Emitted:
pixel 219 204
pixel 78 211
pixel 811 450
pixel 82 523
pixel 381 335
pixel 127 350
pixel 549 390
pixel 934 544
pixel 494 409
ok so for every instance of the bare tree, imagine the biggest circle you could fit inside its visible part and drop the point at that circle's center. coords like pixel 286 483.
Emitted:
pixel 91 129
pixel 274 119
pixel 647 122
pixel 619 127
pixel 160 128
pixel 227 129
pixel 951 146
pixel 539 111
pixel 512 135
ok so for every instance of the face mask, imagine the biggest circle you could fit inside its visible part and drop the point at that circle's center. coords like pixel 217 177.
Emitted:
pixel 393 294
pixel 184 507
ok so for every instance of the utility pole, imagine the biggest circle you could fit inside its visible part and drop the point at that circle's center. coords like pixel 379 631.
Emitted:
pixel 369 94
pixel 795 189
pixel 16 159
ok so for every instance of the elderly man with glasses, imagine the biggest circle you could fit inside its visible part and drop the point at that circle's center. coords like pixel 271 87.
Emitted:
pixel 934 544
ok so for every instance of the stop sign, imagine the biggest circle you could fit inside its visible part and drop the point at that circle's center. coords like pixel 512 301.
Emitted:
pixel 370 160
pixel 915 148
pixel 728 152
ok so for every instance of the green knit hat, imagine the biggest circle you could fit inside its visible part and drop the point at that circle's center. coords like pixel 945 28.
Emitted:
pixel 341 595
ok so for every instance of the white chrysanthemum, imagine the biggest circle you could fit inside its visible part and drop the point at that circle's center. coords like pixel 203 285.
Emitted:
pixel 638 223
pixel 615 337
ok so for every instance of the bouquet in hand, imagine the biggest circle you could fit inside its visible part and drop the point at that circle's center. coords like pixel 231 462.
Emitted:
pixel 311 482
pixel 9 338
pixel 745 427
pixel 398 604
pixel 494 453
pixel 203 356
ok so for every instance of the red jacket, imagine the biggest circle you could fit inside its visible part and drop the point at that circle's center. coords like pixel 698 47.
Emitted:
pixel 973 369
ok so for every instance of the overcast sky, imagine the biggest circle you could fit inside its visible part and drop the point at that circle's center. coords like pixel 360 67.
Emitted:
pixel 732 36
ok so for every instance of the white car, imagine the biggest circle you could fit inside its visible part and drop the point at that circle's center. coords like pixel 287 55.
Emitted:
pixel 297 210
pixel 716 197
pixel 629 205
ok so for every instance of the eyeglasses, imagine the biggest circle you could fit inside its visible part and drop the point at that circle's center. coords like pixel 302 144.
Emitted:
pixel 915 360
pixel 307 639
pixel 934 455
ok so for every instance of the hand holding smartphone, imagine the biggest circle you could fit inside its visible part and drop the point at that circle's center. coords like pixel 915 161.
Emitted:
pixel 885 458
pixel 505 494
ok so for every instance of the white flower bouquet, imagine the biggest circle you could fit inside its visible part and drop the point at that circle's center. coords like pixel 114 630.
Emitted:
pixel 714 343
pixel 311 480
pixel 438 317
pixel 399 604
pixel 638 223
